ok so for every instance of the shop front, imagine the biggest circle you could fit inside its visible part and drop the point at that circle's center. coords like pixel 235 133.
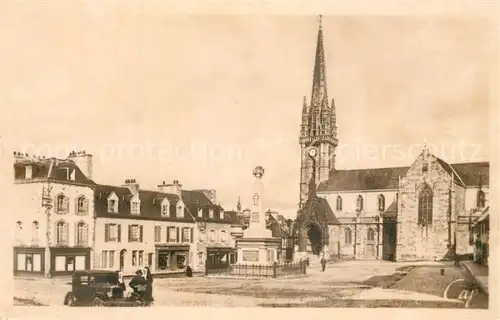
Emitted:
pixel 171 257
pixel 64 261
pixel 217 256
pixel 29 261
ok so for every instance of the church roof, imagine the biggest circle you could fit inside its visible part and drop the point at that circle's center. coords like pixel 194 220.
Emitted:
pixel 363 179
pixel 322 210
pixel 471 173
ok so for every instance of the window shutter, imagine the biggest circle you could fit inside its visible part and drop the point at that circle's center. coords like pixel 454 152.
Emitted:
pixel 129 233
pixel 76 205
pixel 106 232
pixel 168 234
pixel 66 204
pixel 119 232
pixel 85 205
pixel 140 234
pixel 177 234
pixel 192 235
pixel 76 234
pixel 66 233
pixel 54 205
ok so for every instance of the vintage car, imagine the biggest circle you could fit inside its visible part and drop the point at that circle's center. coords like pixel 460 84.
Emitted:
pixel 98 288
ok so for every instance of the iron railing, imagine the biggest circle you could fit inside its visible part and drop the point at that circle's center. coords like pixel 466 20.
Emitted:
pixel 274 270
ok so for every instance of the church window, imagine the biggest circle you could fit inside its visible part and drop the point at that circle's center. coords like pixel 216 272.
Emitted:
pixel 347 236
pixel 481 199
pixel 381 202
pixel 359 203
pixel 425 206
pixel 339 203
pixel 370 236
pixel 425 167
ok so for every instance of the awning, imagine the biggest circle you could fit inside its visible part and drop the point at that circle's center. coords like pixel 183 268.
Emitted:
pixel 485 215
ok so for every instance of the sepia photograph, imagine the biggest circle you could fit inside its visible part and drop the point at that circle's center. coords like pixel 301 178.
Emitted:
pixel 244 160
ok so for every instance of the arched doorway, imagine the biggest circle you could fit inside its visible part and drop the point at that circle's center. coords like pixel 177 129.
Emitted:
pixel 123 255
pixel 315 238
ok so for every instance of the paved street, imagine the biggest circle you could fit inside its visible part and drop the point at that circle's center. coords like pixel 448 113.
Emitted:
pixel 343 284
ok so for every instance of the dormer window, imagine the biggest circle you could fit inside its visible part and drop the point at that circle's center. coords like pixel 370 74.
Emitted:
pixel 135 207
pixel 179 209
pixel 165 208
pixel 113 203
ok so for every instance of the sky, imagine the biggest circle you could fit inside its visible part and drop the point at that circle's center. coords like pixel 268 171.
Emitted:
pixel 203 99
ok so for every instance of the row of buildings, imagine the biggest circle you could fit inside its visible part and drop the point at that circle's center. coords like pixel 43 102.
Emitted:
pixel 69 222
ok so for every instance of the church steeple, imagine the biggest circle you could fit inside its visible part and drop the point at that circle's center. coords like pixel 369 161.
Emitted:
pixel 318 127
pixel 319 94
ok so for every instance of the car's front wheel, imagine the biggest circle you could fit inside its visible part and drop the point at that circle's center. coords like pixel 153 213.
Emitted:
pixel 97 302
pixel 69 300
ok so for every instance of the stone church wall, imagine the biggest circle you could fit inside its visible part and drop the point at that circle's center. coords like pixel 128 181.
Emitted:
pixel 414 241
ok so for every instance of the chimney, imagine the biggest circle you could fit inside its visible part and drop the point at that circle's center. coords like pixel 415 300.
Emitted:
pixel 132 185
pixel 84 162
pixel 173 188
pixel 28 172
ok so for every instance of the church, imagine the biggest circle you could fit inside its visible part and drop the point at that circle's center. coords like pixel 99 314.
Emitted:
pixel 420 212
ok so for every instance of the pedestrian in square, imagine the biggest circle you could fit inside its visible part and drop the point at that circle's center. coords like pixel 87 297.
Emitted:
pixel 323 264
pixel 478 250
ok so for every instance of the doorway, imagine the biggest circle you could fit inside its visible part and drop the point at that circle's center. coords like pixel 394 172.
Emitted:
pixel 370 244
pixel 389 240
pixel 123 256
pixel 315 238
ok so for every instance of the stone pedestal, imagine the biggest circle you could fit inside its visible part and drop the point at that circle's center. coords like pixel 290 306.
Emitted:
pixel 258 246
pixel 257 251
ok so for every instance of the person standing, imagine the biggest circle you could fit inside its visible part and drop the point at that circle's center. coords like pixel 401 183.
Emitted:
pixel 323 264
pixel 149 286
pixel 478 250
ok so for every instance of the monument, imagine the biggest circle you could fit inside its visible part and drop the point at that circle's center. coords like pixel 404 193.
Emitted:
pixel 258 246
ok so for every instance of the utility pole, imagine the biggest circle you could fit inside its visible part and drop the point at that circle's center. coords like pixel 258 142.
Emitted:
pixel 47 205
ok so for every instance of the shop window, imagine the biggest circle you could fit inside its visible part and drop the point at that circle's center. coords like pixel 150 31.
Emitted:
pixel 31 262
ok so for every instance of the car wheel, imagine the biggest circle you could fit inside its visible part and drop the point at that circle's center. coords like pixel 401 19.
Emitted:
pixel 69 300
pixel 97 302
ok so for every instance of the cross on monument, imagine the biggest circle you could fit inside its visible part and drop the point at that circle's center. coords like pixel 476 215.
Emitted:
pixel 256 199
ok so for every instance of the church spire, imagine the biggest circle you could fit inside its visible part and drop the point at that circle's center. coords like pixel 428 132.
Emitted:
pixel 319 91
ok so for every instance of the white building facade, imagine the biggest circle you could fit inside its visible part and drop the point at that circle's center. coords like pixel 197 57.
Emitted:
pixel 54 224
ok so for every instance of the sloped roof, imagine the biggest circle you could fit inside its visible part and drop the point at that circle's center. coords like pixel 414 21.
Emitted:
pixel 51 170
pixel 322 210
pixel 471 173
pixel 363 179
pixel 151 205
